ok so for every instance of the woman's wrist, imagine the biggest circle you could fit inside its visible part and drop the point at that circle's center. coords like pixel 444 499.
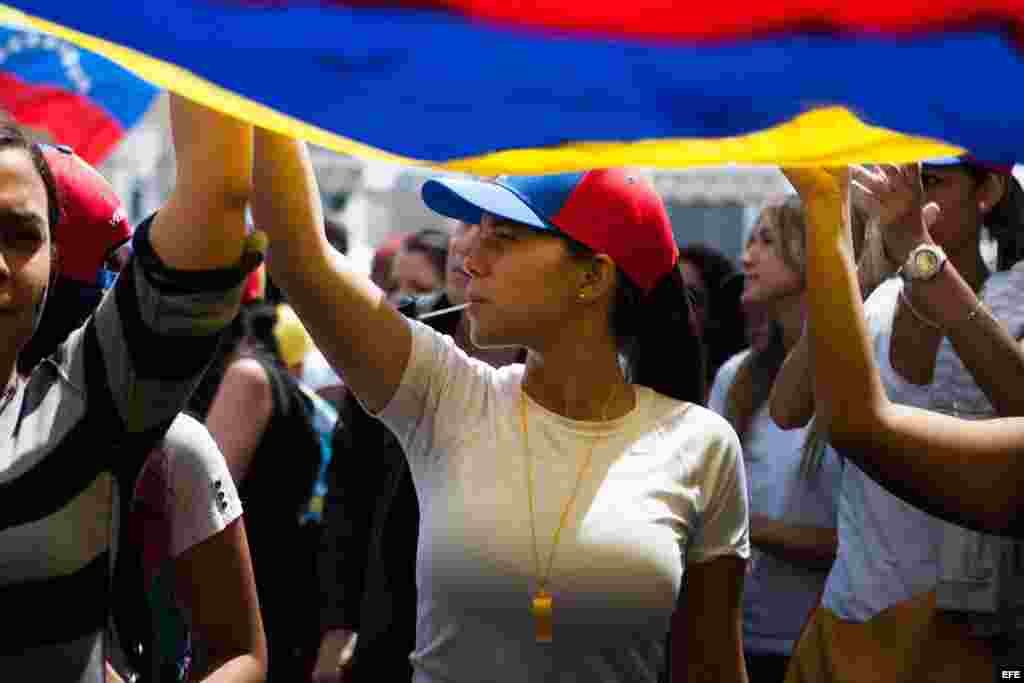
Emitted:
pixel 896 250
pixel 946 299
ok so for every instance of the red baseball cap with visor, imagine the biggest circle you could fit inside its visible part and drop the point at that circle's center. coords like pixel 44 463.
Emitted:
pixel 93 222
pixel 611 211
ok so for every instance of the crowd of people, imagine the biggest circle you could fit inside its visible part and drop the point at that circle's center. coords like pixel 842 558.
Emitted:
pixel 541 441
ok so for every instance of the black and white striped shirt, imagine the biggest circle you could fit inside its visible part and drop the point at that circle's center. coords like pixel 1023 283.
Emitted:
pixel 72 441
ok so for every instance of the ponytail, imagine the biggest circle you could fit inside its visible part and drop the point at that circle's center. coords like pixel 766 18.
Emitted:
pixel 657 339
pixel 1005 220
pixel 1006 224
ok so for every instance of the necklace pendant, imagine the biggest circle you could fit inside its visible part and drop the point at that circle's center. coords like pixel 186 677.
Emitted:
pixel 542 608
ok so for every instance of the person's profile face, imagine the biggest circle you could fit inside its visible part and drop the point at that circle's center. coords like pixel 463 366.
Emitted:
pixel 767 276
pixel 456 277
pixel 959 221
pixel 521 284
pixel 414 274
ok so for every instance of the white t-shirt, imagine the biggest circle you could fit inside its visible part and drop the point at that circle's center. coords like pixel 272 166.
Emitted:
pixel 183 496
pixel 888 549
pixel 778 596
pixel 665 487
pixel 187 490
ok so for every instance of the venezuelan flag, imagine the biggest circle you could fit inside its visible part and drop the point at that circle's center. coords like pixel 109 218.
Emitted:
pixel 68 95
pixel 490 86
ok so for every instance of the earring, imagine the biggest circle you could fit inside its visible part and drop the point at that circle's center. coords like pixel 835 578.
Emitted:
pixel 582 296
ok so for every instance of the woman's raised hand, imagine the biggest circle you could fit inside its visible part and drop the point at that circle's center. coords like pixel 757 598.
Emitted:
pixel 825 193
pixel 895 196
pixel 819 184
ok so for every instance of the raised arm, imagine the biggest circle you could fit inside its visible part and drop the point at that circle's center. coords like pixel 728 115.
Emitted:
pixel 791 401
pixel 158 330
pixel 202 225
pixel 968 472
pixel 945 305
pixel 366 340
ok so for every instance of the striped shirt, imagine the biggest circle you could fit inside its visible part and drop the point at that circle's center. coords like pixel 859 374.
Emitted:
pixel 72 442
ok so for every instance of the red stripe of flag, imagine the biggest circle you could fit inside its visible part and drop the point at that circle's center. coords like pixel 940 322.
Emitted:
pixel 710 21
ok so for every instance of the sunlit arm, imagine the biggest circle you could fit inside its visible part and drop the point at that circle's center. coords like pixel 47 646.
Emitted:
pixel 202 225
pixel 366 340
pixel 969 472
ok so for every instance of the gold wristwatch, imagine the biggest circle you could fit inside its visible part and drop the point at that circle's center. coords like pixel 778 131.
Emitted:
pixel 924 263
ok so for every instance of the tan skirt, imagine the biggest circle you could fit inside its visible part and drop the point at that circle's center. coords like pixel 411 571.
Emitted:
pixel 908 643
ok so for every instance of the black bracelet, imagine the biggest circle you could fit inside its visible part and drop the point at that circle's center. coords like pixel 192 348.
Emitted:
pixel 190 282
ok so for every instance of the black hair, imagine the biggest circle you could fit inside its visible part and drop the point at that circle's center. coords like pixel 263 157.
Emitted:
pixel 654 334
pixel 260 320
pixel 726 328
pixel 433 243
pixel 337 235
pixel 13 135
pixel 1005 220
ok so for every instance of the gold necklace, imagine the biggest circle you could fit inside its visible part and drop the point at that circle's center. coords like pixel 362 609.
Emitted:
pixel 542 604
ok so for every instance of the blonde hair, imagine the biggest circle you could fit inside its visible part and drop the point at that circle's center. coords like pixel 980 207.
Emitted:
pixel 756 374
pixel 786 218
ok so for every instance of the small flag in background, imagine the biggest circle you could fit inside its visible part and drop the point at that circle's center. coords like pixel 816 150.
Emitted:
pixel 68 95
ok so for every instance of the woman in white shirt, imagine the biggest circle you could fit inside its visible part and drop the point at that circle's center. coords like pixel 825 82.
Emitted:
pixel 793 475
pixel 560 501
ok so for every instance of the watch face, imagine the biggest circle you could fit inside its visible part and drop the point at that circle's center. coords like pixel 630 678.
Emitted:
pixel 926 262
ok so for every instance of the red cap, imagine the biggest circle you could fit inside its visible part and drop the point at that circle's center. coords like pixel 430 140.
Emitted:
pixel 610 210
pixel 93 222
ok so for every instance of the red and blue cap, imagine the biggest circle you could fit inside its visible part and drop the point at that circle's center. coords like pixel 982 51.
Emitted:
pixel 93 222
pixel 969 160
pixel 611 211
pixel 92 226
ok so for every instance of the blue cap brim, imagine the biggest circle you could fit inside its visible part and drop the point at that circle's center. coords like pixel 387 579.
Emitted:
pixel 468 200
pixel 944 161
